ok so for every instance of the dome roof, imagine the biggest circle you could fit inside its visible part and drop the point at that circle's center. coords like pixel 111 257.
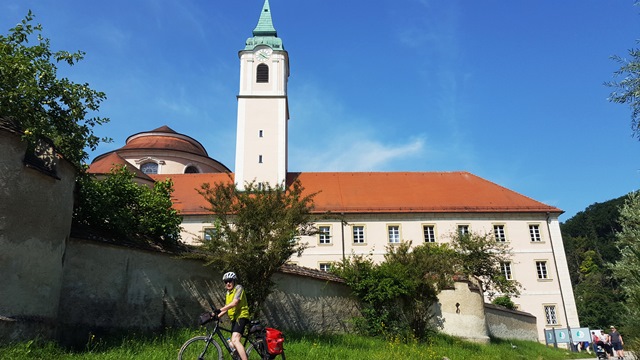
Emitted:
pixel 164 138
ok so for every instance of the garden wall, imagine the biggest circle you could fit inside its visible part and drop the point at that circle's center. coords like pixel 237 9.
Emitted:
pixel 36 206
pixel 109 288
pixel 510 324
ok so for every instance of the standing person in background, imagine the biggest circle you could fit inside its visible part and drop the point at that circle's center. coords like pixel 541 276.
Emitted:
pixel 237 307
pixel 616 342
pixel 606 340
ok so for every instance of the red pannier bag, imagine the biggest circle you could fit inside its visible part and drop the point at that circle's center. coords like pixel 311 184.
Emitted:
pixel 275 341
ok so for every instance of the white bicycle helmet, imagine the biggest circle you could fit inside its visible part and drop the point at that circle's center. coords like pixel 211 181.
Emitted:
pixel 229 276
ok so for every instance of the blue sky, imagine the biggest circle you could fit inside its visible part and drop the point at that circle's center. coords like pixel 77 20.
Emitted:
pixel 511 91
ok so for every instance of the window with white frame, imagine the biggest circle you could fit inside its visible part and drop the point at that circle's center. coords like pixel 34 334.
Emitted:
pixel 324 234
pixel 358 234
pixel 550 314
pixel 506 270
pixel 541 267
pixel 429 232
pixel 325 266
pixel 208 233
pixel 498 232
pixel 463 230
pixel 394 234
pixel 534 232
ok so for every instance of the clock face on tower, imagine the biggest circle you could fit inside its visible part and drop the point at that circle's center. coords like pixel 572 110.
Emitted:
pixel 263 54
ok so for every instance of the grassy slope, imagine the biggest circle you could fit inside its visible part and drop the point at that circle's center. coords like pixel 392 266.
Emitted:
pixel 308 347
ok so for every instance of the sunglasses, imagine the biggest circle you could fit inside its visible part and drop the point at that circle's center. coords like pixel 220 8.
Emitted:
pixel 228 281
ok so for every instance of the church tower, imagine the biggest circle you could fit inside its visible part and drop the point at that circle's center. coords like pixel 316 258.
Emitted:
pixel 263 110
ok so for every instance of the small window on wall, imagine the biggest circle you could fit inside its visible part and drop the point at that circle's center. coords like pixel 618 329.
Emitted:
pixel 191 170
pixel 498 232
pixel 506 270
pixel 209 233
pixel 325 267
pixel 149 168
pixel 463 230
pixel 429 233
pixel 394 234
pixel 550 314
pixel 324 235
pixel 541 268
pixel 260 133
pixel 534 232
pixel 358 234
pixel 262 73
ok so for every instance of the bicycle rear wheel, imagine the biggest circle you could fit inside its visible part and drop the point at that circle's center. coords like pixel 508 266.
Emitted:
pixel 194 349
pixel 255 352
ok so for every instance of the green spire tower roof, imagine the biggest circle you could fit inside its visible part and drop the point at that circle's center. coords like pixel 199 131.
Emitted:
pixel 264 33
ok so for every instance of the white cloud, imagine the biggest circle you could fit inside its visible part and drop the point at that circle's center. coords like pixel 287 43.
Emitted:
pixel 325 135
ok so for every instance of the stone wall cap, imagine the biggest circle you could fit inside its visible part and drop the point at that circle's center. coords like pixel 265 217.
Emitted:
pixel 502 308
pixel 309 272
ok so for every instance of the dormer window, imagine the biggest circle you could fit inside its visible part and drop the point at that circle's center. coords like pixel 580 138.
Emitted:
pixel 149 168
pixel 262 73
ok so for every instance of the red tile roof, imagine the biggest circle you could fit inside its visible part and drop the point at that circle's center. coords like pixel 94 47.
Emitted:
pixel 380 192
pixel 105 164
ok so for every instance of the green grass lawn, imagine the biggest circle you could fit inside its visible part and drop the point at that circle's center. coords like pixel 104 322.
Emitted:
pixel 298 346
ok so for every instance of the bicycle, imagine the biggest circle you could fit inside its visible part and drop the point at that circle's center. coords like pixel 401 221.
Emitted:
pixel 254 342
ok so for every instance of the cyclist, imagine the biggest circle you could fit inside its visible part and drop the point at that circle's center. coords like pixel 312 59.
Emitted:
pixel 237 307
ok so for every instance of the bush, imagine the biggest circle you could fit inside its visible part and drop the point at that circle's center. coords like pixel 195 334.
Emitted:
pixel 119 207
pixel 504 301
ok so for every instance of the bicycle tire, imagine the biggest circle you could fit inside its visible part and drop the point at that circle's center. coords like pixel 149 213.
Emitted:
pixel 192 350
pixel 253 353
pixel 257 356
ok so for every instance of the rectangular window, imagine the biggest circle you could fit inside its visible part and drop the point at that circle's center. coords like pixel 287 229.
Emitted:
pixel 429 232
pixel 394 234
pixel 260 159
pixel 541 267
pixel 506 270
pixel 463 230
pixel 358 234
pixel 498 232
pixel 208 233
pixel 550 314
pixel 260 133
pixel 534 232
pixel 325 266
pixel 324 234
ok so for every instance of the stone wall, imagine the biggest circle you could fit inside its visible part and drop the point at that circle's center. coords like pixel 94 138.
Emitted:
pixel 510 324
pixel 110 288
pixel 35 219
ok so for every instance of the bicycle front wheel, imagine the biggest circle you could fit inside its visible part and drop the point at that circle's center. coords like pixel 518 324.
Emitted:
pixel 198 348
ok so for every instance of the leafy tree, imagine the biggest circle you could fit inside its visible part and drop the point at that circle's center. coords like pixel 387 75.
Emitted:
pixel 627 269
pixel 481 256
pixel 120 207
pixel 628 89
pixel 41 104
pixel 397 295
pixel 256 231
